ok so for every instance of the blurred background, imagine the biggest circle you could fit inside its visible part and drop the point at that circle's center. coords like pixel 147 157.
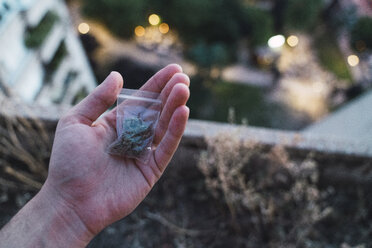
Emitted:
pixel 278 64
pixel 281 64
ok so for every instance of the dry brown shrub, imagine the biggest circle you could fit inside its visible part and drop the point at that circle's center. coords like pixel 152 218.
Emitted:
pixel 25 147
pixel 265 191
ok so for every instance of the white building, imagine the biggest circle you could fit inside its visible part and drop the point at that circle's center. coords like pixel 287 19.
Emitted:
pixel 41 57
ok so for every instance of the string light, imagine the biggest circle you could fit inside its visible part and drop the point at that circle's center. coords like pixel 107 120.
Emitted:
pixel 276 41
pixel 353 60
pixel 139 31
pixel 292 41
pixel 154 19
pixel 84 28
pixel 164 28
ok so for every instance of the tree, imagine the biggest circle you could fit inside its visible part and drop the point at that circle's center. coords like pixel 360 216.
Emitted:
pixel 257 24
pixel 208 55
pixel 207 20
pixel 120 16
pixel 302 14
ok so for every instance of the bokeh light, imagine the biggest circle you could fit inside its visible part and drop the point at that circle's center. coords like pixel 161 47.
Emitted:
pixel 164 28
pixel 84 28
pixel 139 31
pixel 292 41
pixel 276 41
pixel 154 19
pixel 353 60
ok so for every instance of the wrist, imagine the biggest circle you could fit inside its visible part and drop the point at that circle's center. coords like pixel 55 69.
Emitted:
pixel 45 221
pixel 60 221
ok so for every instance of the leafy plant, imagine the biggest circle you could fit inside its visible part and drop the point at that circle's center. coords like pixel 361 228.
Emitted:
pixel 330 55
pixel 208 55
pixel 257 24
pixel 121 17
pixel 56 61
pixel 302 15
pixel 35 36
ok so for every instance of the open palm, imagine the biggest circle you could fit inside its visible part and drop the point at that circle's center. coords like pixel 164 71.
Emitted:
pixel 101 188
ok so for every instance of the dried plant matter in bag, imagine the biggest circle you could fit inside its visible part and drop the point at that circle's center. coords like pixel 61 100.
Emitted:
pixel 137 116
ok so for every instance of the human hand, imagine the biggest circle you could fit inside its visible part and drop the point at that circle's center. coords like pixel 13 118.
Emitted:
pixel 99 188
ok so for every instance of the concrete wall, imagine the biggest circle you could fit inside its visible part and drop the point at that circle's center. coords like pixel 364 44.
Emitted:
pixel 340 161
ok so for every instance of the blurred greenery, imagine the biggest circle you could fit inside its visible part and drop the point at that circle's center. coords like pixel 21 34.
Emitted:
pixel 211 100
pixel 217 54
pixel 35 36
pixel 257 24
pixel 302 15
pixel 56 61
pixel 207 20
pixel 218 24
pixel 212 31
pixel 82 93
pixel 121 17
pixel 330 55
pixel 361 33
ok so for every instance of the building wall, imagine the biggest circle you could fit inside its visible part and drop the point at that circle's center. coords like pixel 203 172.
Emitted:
pixel 23 71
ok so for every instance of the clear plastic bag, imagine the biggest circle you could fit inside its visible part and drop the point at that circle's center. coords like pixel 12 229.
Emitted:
pixel 136 119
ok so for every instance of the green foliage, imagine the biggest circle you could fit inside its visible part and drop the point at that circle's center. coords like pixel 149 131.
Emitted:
pixel 56 60
pixel 213 101
pixel 35 36
pixel 248 102
pixel 209 29
pixel 257 24
pixel 219 101
pixel 121 17
pixel 82 93
pixel 302 14
pixel 207 55
pixel 207 20
pixel 330 55
pixel 362 32
pixel 58 57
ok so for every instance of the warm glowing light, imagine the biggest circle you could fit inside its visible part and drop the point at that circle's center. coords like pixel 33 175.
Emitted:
pixel 292 41
pixel 83 28
pixel 353 60
pixel 276 41
pixel 164 28
pixel 154 19
pixel 139 31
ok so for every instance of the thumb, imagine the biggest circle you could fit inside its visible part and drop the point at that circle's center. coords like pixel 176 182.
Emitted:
pixel 97 102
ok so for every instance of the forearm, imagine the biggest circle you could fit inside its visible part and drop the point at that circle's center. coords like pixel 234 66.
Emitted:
pixel 44 222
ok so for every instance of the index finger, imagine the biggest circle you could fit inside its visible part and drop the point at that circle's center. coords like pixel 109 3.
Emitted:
pixel 157 82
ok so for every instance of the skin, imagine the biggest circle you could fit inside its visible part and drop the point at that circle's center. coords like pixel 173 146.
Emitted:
pixel 88 189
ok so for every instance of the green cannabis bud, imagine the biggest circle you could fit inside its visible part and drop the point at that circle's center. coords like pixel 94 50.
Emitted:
pixel 135 138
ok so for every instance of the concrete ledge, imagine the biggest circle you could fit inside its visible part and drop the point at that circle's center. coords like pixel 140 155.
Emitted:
pixel 352 121
pixel 197 131
pixel 340 161
pixel 308 142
